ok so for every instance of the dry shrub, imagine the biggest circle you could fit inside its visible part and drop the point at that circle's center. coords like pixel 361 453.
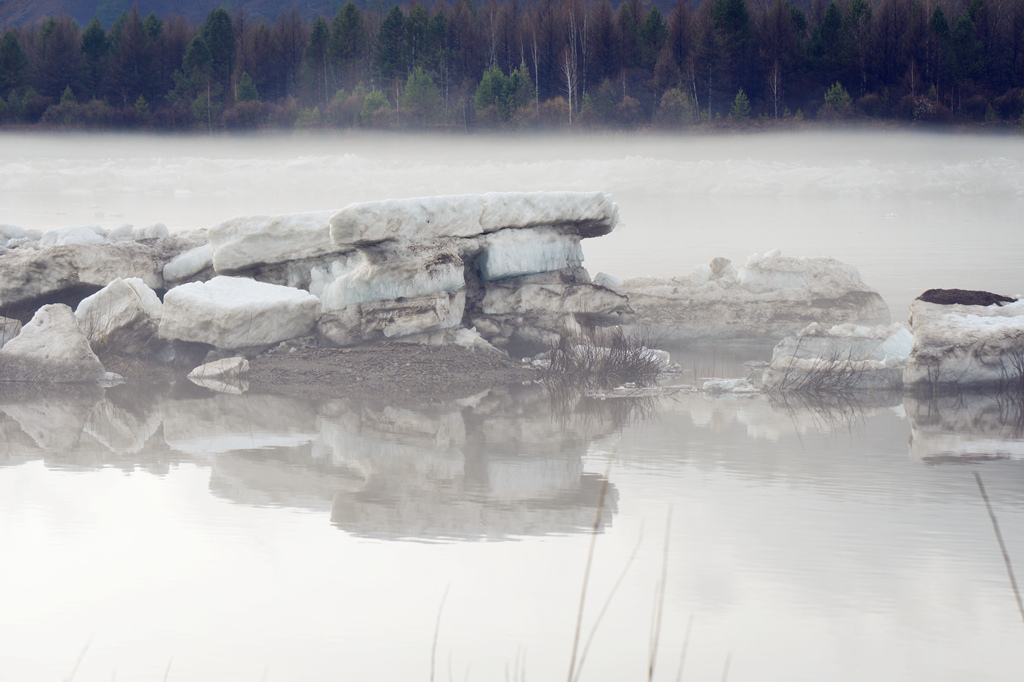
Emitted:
pixel 593 361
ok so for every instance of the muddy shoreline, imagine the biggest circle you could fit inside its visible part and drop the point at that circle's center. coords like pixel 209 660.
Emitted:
pixel 396 372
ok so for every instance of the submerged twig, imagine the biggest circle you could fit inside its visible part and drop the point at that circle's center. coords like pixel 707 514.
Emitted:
pixel 1002 545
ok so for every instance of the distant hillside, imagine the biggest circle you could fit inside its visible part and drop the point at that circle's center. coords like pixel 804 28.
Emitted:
pixel 15 12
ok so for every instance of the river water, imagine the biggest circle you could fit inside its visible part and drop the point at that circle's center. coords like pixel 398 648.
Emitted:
pixel 194 536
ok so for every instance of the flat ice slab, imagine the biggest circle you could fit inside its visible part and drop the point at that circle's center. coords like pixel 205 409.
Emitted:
pixel 514 253
pixel 965 345
pixel 770 297
pixel 247 241
pixel 587 214
pixel 233 312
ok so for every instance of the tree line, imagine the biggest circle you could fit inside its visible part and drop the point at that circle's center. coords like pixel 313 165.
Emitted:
pixel 523 63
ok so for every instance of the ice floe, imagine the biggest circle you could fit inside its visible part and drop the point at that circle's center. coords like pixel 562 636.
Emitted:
pixel 843 357
pixel 588 214
pixel 247 241
pixel 770 297
pixel 966 345
pixel 234 312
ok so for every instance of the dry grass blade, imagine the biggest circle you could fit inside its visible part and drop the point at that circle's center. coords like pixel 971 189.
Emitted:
pixel 604 607
pixel 437 629
pixel 78 661
pixel 586 571
pixel 1002 545
pixel 659 605
pixel 686 645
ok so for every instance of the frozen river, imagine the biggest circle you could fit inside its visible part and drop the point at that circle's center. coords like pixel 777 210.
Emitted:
pixel 912 211
pixel 194 536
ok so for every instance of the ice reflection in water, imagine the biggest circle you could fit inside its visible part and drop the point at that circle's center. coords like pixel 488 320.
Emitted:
pixel 812 538
pixel 494 466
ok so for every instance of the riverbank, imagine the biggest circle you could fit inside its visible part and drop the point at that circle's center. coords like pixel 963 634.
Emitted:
pixel 396 372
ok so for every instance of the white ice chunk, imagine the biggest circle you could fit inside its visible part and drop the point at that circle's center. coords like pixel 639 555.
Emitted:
pixel 154 231
pixel 223 376
pixel 736 386
pixel 701 275
pixel 50 348
pixel 83 234
pixel 513 253
pixel 247 241
pixel 772 272
pixel 610 282
pixel 233 312
pixel 389 272
pixel 8 232
pixel 188 263
pixel 965 345
pixel 125 309
pixel 846 356
pixel 122 234
pixel 589 214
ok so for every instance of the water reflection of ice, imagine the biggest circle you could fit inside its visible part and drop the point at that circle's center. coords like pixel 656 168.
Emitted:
pixel 499 465
pixel 966 428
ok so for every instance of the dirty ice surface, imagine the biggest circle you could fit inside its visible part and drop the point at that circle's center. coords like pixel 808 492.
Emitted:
pixel 911 211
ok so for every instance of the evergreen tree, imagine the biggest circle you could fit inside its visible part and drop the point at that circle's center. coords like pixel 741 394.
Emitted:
pixel 95 50
pixel 131 59
pixel 247 91
pixel 416 44
pixel 735 35
pixel 740 106
pixel 652 36
pixel 316 60
pixel 348 45
pixel 421 98
pixel 390 56
pixel 829 46
pixel 58 59
pixel 858 22
pixel 13 63
pixel 219 35
pixel 630 37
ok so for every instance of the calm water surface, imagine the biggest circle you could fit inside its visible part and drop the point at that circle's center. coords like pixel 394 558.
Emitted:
pixel 193 536
pixel 263 537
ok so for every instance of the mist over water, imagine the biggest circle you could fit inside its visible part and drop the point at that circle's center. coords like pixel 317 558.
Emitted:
pixel 199 536
pixel 911 210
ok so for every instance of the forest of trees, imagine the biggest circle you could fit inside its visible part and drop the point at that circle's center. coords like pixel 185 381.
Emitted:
pixel 523 64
